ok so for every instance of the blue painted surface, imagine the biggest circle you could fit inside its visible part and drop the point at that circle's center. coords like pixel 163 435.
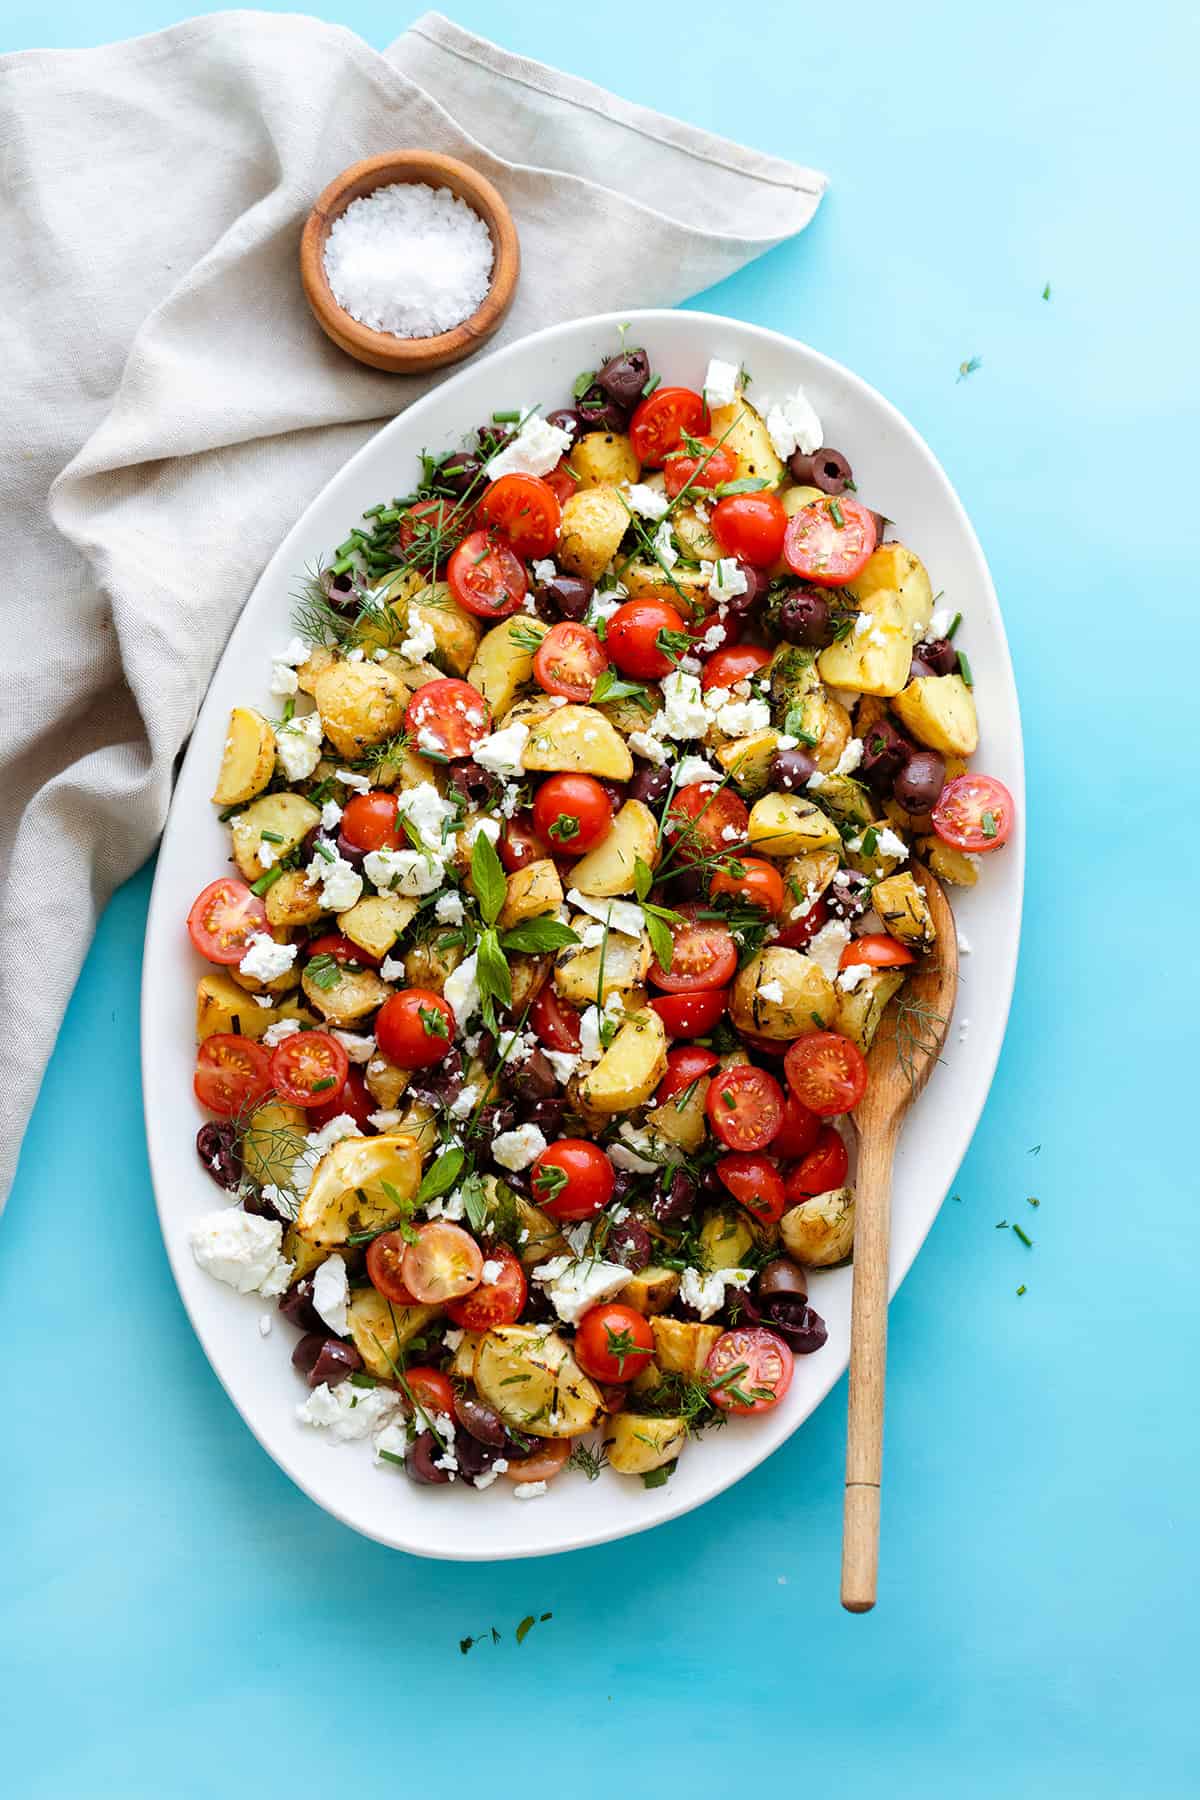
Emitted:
pixel 177 1620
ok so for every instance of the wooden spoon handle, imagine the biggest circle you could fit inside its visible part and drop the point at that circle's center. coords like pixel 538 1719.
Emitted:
pixel 868 1366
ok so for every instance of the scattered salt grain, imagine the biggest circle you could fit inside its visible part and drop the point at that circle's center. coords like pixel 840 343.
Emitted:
pixel 409 259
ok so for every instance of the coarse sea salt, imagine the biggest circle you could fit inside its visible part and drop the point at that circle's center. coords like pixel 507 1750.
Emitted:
pixel 409 259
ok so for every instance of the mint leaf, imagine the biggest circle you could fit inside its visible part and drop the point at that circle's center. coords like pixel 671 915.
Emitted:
pixel 643 878
pixel 487 878
pixel 441 1175
pixel 475 1202
pixel 536 935
pixel 611 686
pixel 492 974
pixel 661 941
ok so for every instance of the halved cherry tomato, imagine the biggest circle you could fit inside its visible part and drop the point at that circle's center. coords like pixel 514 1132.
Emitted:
pixel 633 638
pixel 448 717
pixel 755 1183
pixel 877 950
pixel 554 1023
pixel 706 820
pixel 693 1014
pixel 744 1107
pixel 750 526
pixel 414 1028
pixel 803 930
pixel 830 541
pixel 799 1132
pixel 223 919
pixel 562 481
pixel 343 952
pixel 486 577
pixel 309 1068
pixel 827 1072
pixel 547 1461
pixel 444 1264
pixel 525 511
pixel 385 1268
pixel 496 1302
pixel 369 820
pixel 570 660
pixel 613 1342
pixel 749 1370
pixel 709 470
pixel 823 1167
pixel 704 954
pixel 355 1098
pixel 572 1179
pixel 232 1073
pixel 428 528
pixel 736 663
pixel 759 884
pixel 686 1064
pixel 975 813
pixel 431 1389
pixel 660 421
pixel 520 844
pixel 572 813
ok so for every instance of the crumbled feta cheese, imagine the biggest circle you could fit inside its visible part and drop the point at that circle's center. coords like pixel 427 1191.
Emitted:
pixel 463 1102
pixel 426 812
pixel 684 713
pixel 939 624
pixel 265 1322
pixel 964 947
pixel 544 568
pixel 388 1119
pixel 420 639
pixel 347 1412
pixel 340 882
pixel 453 1338
pixel 792 424
pixel 443 1425
pixel 501 751
pixel 275 1034
pixel 528 1490
pixel 605 602
pixel 850 758
pixel 517 1149
pixel 631 1153
pixel 664 546
pixel 691 769
pixel 391 969
pixel 490 1475
pixel 491 1272
pixel 773 991
pixel 356 655
pixel 358 784
pixel 283 680
pixel 242 1250
pixel 359 1048
pixel 705 1294
pixel 852 976
pixel 448 908
pixel 563 1062
pixel 643 743
pixel 490 828
pixel 298 746
pixel 331 1294
pixel 331 816
pixel 622 916
pixel 726 578
pixel 391 1442
pixel 461 990
pixel 572 1285
pixel 827 946
pixel 647 501
pixel 410 872
pixel 721 382
pixel 536 449
pixel 739 718
pixel 296 653
pixel 591 1047
pixel 448 1206
pixel 888 844
pixel 515 1047
pixel 265 960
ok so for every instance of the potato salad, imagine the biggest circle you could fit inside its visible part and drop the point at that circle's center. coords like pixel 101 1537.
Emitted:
pixel 577 857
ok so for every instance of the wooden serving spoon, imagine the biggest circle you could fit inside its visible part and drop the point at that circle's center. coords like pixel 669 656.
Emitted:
pixel 902 1058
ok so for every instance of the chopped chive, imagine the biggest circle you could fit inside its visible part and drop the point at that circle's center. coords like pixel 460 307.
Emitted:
pixel 318 1087
pixel 955 622
pixel 989 824
pixel 964 669
pixel 351 543
pixel 836 513
pixel 325 851
pixel 289 713
pixel 1022 1290
pixel 650 386
pixel 343 565
pixel 1025 1239
pixel 505 418
pixel 373 512
pixel 230 812
pixel 270 837
pixel 1031 1201
pixel 266 881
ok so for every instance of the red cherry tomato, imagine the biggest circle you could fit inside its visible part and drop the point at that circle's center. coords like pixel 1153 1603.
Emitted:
pixel 877 950
pixel 704 954
pixel 486 577
pixel 823 1167
pixel 224 918
pixel 343 952
pixel 572 1179
pixel 447 717
pixel 613 1342
pixel 525 511
pixel 737 663
pixel 750 526
pixel 692 1014
pixel 233 1074
pixel 799 1132
pixel 755 1183
pixel 520 844
pixel 496 1302
pixel 385 1268
pixel 427 529
pixel 633 638
pixel 562 481
pixel 547 1461
pixel 744 1107
pixel 431 1389
pixel 709 470
pixel 572 813
pixel 686 1064
pixel 975 813
pixel 355 1099
pixel 570 660
pixel 759 884
pixel 749 1370
pixel 826 1072
pixel 803 930
pixel 660 421
pixel 706 820
pixel 414 1028
pixel 369 820
pixel 726 629
pixel 829 542
pixel 444 1264
pixel 554 1023
pixel 309 1068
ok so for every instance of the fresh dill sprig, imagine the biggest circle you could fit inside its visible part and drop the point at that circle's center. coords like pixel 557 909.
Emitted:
pixel 591 1459
pixel 917 1036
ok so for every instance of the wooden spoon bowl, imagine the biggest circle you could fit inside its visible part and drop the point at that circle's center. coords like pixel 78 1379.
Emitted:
pixel 382 349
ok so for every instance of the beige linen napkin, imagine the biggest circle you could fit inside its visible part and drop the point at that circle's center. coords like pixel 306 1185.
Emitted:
pixel 169 407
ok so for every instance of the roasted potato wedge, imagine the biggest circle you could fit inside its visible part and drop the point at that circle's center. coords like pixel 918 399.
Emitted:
pixel 353 996
pixel 897 569
pixel 631 1068
pixel 788 825
pixel 820 1231
pixel 603 459
pixel 651 1290
pixel 407 602
pixel 782 993
pixel 726 1237
pixel 428 963
pixel 577 971
pixel 222 1004
pixel 580 740
pixel 797 694
pixel 289 817
pixel 381 1329
pixel 347 1190
pixel 637 1443
pixel 901 904
pixel 360 704
pixel 939 710
pixel 293 900
pixel 860 1011
pixel 593 524
pixel 739 427
pixel 386 1082
pixel 608 870
pixel 954 866
pixel 682 1346
pixel 877 658
pixel 532 891
pixel 682 1120
pixel 504 661
pixel 248 759
pixel 528 1373
pixel 749 759
pixel 376 921
pixel 272 1141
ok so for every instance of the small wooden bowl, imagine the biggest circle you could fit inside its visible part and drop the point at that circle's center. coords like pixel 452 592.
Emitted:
pixel 381 349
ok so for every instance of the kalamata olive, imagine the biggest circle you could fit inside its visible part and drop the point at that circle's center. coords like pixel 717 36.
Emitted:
pixel 920 670
pixel 600 412
pixel 624 376
pixel 458 471
pixel 216 1146
pixel 940 655
pixel 686 884
pixel 546 1114
pixel 567 419
pixel 420 1461
pixel 307 1351
pixel 297 1307
pixel 651 784
pixel 629 1244
pixel 493 437
pixel 790 770
pixel 920 782
pixel 624 1182
pixel 831 472
pixel 334 1362
pixel 516 1445
pixel 256 1202
pixel 566 597
pixel 480 785
pixel 782 1276
pixel 482 1421
pixel 531 1080
pixel 711 1185
pixel 495 1118
pixel 472 1457
pixel 675 1197
pixel 439 1082
pixel 351 853
pixel 848 894
pixel 804 619
pixel 757 584
pixel 342 593
pixel 518 1179
pixel 885 752
pixel 796 1322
